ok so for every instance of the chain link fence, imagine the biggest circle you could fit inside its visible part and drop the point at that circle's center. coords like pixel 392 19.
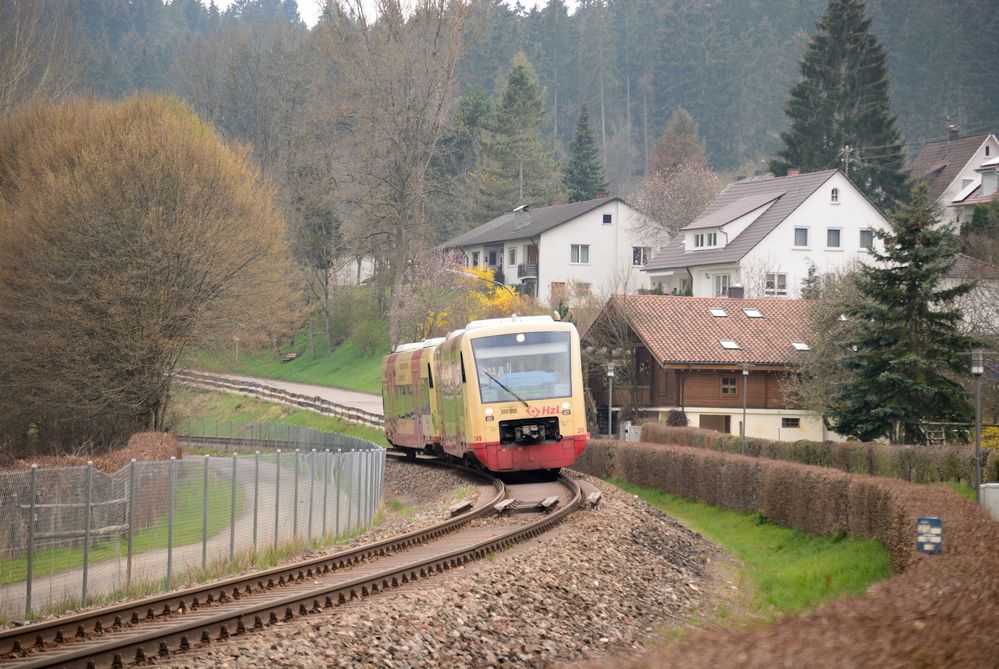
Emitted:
pixel 75 536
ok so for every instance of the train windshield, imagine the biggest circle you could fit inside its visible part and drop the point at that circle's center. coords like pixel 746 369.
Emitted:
pixel 523 366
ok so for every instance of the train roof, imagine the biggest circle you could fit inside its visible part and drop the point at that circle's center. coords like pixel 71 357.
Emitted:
pixel 416 345
pixel 486 322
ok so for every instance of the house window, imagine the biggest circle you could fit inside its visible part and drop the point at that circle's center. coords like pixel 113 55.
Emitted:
pixel 640 255
pixel 712 239
pixel 579 254
pixel 717 312
pixel 721 285
pixel 698 241
pixel 987 148
pixel 684 286
pixel 492 258
pixel 775 284
pixel 801 237
pixel 867 239
pixel 790 422
pixel 513 256
pixel 832 238
pixel 834 196
pixel 729 344
pixel 475 258
pixel 608 219
pixel 730 385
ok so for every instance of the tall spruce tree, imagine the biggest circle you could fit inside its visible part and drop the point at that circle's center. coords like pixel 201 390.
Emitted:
pixel 840 111
pixel 584 174
pixel 517 168
pixel 904 352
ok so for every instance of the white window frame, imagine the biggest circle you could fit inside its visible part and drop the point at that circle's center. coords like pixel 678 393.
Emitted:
pixel 711 239
pixel 512 255
pixel 721 284
pixel 607 219
pixel 834 196
pixel 840 240
pixel 776 286
pixel 475 259
pixel 579 254
pixel 860 239
pixel 699 240
pixel 807 236
pixel 643 258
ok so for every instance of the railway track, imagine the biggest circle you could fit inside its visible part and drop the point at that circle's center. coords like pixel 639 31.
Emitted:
pixel 162 625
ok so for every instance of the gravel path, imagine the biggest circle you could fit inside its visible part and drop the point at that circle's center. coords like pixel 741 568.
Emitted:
pixel 602 584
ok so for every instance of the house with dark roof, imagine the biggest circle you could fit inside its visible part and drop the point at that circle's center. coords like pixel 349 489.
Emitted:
pixel 563 251
pixel 715 359
pixel 766 235
pixel 959 172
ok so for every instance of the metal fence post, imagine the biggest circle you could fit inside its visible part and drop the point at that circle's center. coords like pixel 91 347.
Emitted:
pixel 131 521
pixel 256 496
pixel 86 531
pixel 277 498
pixel 326 489
pixel 350 490
pixel 232 511
pixel 339 487
pixel 294 500
pixel 312 488
pixel 31 540
pixel 204 517
pixel 173 494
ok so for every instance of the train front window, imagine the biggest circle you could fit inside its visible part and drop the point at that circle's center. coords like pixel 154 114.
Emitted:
pixel 524 366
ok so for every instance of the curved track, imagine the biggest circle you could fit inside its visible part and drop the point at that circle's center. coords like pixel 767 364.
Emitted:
pixel 164 624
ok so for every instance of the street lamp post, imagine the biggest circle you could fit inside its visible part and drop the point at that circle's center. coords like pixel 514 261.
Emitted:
pixel 610 400
pixel 745 394
pixel 977 369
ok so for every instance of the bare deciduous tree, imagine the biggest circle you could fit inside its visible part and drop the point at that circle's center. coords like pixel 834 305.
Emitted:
pixel 394 80
pixel 674 198
pixel 39 51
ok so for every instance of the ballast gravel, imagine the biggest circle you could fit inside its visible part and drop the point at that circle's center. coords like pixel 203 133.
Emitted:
pixel 604 583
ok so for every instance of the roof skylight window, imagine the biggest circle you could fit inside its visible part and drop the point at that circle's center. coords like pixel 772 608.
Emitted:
pixel 718 313
pixel 801 346
pixel 728 344
pixel 753 313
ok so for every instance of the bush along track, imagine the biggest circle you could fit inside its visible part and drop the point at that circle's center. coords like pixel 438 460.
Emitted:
pixel 938 611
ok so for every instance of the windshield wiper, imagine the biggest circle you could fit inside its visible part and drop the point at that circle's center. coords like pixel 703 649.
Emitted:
pixel 503 386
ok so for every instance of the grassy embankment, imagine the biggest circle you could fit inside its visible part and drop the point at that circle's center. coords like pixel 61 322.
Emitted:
pixel 788 570
pixel 344 367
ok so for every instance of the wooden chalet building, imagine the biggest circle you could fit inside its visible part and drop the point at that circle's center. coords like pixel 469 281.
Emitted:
pixel 705 357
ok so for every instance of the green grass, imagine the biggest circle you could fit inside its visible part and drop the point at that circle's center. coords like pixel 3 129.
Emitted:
pixel 791 570
pixel 187 529
pixel 205 412
pixel 344 367
pixel 960 487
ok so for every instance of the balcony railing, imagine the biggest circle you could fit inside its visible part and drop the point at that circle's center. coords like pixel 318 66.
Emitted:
pixel 527 270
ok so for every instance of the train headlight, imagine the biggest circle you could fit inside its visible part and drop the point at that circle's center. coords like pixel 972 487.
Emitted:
pixel 489 414
pixel 565 405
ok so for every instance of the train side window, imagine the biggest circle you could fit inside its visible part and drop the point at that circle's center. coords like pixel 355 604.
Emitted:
pixel 430 375
pixel 461 360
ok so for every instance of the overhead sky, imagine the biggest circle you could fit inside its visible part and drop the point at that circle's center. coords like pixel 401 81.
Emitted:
pixel 309 9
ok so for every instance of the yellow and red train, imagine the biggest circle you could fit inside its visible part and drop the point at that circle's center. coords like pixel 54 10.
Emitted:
pixel 505 394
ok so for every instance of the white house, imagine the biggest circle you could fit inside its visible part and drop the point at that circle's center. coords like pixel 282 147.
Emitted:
pixel 956 171
pixel 563 251
pixel 766 235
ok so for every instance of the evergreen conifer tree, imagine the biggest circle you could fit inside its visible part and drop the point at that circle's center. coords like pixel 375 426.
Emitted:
pixel 584 174
pixel 904 351
pixel 517 169
pixel 840 111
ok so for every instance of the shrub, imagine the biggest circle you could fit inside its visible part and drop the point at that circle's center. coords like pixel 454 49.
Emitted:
pixel 676 418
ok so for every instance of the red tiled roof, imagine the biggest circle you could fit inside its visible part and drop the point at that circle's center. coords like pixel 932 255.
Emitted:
pixel 681 330
pixel 967 267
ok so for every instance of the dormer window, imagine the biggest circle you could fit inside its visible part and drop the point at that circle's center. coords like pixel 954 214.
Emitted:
pixel 834 196
pixel 987 150
pixel 705 240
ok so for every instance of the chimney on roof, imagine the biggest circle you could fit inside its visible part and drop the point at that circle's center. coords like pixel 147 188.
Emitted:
pixel 793 171
pixel 953 131
pixel 736 291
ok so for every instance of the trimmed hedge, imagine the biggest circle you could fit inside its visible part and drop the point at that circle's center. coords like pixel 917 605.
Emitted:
pixel 937 611
pixel 916 464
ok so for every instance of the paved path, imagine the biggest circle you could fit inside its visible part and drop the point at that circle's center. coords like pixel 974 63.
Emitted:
pixel 352 398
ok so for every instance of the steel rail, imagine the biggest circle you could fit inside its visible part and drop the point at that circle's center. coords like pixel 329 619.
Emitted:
pixel 18 640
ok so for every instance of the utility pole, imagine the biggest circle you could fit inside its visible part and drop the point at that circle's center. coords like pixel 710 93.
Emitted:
pixel 845 153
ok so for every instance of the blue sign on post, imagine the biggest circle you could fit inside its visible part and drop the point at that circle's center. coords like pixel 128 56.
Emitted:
pixel 929 535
